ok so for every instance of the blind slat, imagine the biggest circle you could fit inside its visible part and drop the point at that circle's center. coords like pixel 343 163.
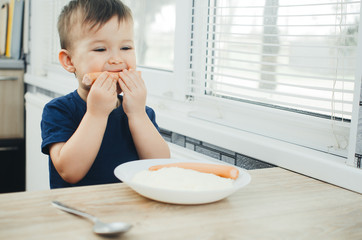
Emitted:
pixel 281 103
pixel 282 25
pixel 292 16
pixel 296 5
pixel 275 93
pixel 276 83
pixel 342 36
pixel 219 66
pixel 337 47
pixel 280 74
pixel 325 58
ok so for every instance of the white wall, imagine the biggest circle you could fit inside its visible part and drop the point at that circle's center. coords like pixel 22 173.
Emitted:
pixel 37 173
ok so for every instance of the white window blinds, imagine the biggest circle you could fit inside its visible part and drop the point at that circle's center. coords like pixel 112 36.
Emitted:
pixel 294 55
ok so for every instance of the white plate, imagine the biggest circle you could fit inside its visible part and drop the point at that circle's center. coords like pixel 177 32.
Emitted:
pixel 126 171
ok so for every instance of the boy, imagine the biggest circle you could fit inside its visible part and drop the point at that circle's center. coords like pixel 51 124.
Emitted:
pixel 89 132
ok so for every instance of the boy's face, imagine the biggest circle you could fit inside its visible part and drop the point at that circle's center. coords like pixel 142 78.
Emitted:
pixel 109 48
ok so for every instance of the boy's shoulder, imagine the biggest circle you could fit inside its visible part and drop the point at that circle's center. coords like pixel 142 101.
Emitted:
pixel 70 97
pixel 70 100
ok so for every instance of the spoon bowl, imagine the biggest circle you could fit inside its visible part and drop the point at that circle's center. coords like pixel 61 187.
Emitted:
pixel 110 228
pixel 99 227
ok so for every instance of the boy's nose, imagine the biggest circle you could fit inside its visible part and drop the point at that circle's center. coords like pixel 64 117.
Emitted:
pixel 115 60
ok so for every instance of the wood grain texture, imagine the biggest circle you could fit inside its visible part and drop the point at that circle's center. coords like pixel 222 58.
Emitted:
pixel 12 104
pixel 277 204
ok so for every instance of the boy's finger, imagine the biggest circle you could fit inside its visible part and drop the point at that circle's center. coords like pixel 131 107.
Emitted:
pixel 123 86
pixel 113 88
pixel 127 79
pixel 108 82
pixel 137 78
pixel 100 80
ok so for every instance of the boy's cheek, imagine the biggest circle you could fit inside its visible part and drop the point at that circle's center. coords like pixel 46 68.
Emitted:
pixel 132 63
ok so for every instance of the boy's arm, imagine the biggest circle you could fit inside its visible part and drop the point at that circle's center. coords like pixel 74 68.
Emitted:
pixel 74 158
pixel 148 141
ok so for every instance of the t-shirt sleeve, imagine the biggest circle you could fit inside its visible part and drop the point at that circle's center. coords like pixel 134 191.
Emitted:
pixel 152 115
pixel 57 125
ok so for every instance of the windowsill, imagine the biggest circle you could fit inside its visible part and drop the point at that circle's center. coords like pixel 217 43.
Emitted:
pixel 60 83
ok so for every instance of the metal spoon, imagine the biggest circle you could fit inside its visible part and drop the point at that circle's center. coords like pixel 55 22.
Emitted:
pixel 99 227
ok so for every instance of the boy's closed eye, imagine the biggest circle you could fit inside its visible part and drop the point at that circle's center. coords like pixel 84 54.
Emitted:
pixel 126 48
pixel 103 49
pixel 99 50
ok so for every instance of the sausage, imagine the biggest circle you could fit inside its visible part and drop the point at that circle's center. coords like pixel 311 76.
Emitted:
pixel 89 78
pixel 217 169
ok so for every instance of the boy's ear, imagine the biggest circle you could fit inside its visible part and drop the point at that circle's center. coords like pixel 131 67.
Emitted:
pixel 66 61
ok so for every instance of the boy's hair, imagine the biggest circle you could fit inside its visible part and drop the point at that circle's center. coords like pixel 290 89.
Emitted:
pixel 94 13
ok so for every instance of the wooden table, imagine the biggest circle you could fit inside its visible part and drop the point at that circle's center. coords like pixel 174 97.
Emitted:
pixel 277 204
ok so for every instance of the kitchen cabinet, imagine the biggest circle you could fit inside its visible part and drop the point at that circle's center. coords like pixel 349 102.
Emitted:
pixel 12 165
pixel 12 141
pixel 11 104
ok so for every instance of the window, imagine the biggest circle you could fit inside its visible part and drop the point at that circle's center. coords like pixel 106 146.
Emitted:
pixel 154 32
pixel 154 35
pixel 287 58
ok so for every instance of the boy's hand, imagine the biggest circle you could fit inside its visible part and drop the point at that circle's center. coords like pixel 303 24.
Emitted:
pixel 89 78
pixel 102 97
pixel 134 92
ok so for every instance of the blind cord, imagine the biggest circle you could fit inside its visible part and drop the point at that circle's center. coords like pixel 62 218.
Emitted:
pixel 342 141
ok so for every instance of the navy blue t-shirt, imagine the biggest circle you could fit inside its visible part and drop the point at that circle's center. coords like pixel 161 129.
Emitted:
pixel 61 118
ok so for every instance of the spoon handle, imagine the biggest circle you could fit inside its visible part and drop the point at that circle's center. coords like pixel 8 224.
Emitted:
pixel 72 210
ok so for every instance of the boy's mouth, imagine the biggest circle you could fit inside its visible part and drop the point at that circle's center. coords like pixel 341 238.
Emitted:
pixel 115 71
